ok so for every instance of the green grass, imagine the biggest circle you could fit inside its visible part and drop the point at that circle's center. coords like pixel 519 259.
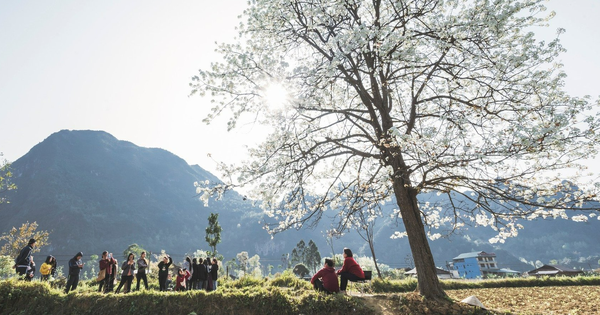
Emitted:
pixel 283 294
pixel 242 296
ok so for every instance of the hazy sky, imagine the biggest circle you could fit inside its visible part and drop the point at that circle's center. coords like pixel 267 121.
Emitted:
pixel 124 67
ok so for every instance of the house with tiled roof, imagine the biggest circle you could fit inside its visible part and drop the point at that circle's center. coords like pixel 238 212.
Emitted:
pixel 554 270
pixel 441 273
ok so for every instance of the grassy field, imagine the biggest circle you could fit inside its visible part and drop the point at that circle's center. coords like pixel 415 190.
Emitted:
pixel 286 294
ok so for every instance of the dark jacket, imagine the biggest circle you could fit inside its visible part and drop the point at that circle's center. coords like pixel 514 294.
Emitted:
pixel 163 269
pixel 75 265
pixel 196 271
pixel 142 265
pixel 202 272
pixel 214 271
pixel 23 258
pixel 53 270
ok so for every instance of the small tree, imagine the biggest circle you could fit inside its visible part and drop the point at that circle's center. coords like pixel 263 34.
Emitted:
pixel 242 262
pixel 16 239
pixel 5 179
pixel 312 256
pixel 298 253
pixel 285 261
pixel 133 248
pixel 362 218
pixel 92 263
pixel 254 266
pixel 213 232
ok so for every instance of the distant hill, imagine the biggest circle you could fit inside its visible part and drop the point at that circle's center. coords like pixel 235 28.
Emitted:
pixel 95 192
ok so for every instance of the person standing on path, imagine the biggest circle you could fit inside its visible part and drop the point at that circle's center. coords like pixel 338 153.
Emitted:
pixel 75 266
pixel 214 272
pixel 127 276
pixel 142 268
pixel 106 263
pixel 163 272
pixel 141 274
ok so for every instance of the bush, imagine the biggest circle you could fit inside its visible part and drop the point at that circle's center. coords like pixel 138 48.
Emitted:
pixel 289 280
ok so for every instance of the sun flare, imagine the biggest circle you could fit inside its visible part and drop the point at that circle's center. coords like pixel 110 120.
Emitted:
pixel 276 96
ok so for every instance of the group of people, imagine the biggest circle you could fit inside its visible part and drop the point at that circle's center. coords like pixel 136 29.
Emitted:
pixel 195 274
pixel 25 266
pixel 326 279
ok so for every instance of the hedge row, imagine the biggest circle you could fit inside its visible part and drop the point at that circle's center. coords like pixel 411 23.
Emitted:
pixel 18 297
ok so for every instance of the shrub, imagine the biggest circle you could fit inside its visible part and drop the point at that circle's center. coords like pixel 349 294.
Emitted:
pixel 289 280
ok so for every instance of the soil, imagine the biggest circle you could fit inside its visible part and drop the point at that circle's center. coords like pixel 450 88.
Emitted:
pixel 414 304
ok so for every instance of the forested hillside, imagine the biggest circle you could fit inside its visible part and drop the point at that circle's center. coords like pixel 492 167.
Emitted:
pixel 95 193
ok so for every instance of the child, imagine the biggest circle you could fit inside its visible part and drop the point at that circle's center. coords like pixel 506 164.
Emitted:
pixel 30 269
pixel 46 268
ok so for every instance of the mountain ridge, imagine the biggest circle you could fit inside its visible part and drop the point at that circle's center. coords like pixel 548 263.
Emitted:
pixel 95 193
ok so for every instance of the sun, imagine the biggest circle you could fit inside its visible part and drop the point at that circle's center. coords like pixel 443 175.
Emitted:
pixel 276 96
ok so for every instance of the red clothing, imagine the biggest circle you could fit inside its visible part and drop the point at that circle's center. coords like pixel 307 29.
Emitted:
pixel 329 278
pixel 107 264
pixel 350 265
pixel 181 280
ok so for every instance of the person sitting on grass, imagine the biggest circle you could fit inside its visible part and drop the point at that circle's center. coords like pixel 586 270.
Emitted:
pixel 350 270
pixel 325 279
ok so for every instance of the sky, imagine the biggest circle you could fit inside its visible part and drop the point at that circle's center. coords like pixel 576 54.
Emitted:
pixel 124 67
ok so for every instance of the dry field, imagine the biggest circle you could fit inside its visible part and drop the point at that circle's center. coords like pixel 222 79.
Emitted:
pixel 572 300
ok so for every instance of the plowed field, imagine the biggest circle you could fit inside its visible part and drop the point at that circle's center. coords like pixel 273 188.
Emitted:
pixel 572 300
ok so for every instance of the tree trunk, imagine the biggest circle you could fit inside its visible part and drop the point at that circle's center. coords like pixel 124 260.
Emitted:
pixel 428 283
pixel 372 247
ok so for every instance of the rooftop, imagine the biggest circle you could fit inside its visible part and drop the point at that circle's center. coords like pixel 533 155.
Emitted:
pixel 474 255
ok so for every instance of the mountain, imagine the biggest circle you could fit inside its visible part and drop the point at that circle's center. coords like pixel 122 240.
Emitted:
pixel 95 192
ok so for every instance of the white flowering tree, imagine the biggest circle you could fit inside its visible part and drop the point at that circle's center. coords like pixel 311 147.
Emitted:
pixel 391 99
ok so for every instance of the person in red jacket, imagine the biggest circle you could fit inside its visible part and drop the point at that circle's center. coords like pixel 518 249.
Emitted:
pixel 106 263
pixel 350 270
pixel 182 275
pixel 325 279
